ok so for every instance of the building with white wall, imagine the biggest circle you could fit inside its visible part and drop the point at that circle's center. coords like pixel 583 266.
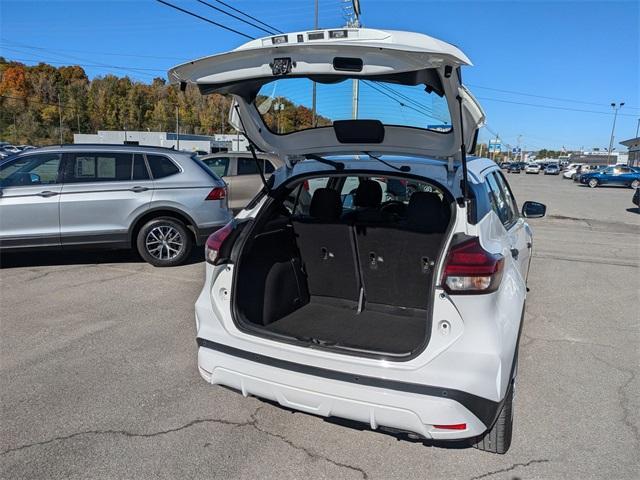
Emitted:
pixel 184 142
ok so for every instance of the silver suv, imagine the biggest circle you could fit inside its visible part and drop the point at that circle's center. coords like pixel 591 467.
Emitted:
pixel 155 200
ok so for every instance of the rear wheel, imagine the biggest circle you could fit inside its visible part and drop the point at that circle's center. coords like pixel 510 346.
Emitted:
pixel 593 183
pixel 498 438
pixel 635 184
pixel 164 242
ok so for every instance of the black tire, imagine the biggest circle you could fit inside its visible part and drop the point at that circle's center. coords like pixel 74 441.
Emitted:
pixel 498 438
pixel 175 245
pixel 593 183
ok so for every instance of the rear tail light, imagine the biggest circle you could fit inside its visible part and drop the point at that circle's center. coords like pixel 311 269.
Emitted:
pixel 214 242
pixel 470 269
pixel 305 185
pixel 218 193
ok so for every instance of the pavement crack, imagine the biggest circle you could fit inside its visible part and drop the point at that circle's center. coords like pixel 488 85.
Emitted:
pixel 126 433
pixel 253 423
pixel 510 468
pixel 307 451
pixel 624 398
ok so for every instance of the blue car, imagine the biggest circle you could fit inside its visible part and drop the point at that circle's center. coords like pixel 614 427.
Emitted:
pixel 615 175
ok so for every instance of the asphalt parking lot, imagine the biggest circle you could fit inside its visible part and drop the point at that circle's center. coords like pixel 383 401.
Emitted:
pixel 98 370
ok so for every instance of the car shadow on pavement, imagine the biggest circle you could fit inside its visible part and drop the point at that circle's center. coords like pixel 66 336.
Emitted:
pixel 41 258
pixel 352 424
pixel 634 210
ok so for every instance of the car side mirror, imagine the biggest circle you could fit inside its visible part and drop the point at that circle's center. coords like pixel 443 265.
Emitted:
pixel 533 210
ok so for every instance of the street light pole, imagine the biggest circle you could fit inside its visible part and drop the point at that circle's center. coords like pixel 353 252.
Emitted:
pixel 615 115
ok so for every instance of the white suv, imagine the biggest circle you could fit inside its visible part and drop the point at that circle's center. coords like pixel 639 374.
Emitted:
pixel 380 275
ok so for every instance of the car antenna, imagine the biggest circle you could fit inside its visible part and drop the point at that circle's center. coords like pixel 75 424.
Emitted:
pixel 252 149
pixel 463 157
pixel 401 168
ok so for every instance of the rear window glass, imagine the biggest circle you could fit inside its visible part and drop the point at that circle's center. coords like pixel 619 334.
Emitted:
pixel 286 105
pixel 390 199
pixel 161 166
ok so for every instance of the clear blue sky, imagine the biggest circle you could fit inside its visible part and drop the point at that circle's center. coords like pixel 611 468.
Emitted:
pixel 583 52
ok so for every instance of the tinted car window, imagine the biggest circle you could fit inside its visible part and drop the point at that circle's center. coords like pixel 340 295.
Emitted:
pixel 30 170
pixel 99 167
pixel 219 166
pixel 499 201
pixel 161 166
pixel 268 167
pixel 247 166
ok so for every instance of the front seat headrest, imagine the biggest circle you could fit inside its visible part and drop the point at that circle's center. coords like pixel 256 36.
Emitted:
pixel 368 194
pixel 426 212
pixel 325 204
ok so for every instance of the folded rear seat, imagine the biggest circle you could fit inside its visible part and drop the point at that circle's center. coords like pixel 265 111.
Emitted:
pixel 397 262
pixel 327 248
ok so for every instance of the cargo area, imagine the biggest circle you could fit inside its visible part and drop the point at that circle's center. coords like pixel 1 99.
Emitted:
pixel 347 271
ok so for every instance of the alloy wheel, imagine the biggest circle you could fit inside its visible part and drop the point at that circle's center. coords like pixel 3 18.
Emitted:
pixel 164 242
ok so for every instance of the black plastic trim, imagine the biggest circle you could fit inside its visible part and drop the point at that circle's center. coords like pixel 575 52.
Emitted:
pixel 486 410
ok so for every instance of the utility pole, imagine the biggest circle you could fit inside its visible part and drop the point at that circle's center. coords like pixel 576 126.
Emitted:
pixel 353 21
pixel 314 116
pixel 177 127
pixel 60 118
pixel 519 149
pixel 615 115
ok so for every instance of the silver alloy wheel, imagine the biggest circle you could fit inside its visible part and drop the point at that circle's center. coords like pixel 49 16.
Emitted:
pixel 635 184
pixel 593 183
pixel 164 242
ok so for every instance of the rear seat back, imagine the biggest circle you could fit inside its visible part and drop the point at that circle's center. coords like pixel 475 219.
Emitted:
pixel 327 248
pixel 391 259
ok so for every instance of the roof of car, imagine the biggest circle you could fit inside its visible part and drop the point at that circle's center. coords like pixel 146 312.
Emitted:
pixel 106 146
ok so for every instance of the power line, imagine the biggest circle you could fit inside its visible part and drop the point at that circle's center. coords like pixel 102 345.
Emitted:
pixel 236 17
pixel 58 62
pixel 205 19
pixel 402 104
pixel 542 96
pixel 247 15
pixel 552 107
pixel 115 54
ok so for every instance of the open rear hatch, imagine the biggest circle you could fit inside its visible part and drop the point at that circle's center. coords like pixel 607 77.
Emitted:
pixel 319 276
pixel 328 57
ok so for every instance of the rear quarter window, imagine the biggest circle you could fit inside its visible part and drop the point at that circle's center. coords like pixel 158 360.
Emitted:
pixel 161 166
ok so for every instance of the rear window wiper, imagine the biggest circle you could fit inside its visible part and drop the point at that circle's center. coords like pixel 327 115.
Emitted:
pixel 318 158
pixel 401 168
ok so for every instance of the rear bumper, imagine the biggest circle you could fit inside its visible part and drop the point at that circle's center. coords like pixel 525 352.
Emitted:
pixel 202 233
pixel 374 401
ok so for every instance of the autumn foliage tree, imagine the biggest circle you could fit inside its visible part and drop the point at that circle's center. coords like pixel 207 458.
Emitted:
pixel 33 98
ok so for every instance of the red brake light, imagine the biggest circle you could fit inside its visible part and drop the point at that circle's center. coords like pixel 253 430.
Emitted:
pixel 455 426
pixel 305 185
pixel 471 269
pixel 214 242
pixel 217 193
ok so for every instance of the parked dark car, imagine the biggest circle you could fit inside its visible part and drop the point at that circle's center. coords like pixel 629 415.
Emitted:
pixel 621 175
pixel 515 167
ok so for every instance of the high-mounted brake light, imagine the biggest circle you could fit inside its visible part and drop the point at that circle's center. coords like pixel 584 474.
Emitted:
pixel 218 193
pixel 214 242
pixel 470 269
